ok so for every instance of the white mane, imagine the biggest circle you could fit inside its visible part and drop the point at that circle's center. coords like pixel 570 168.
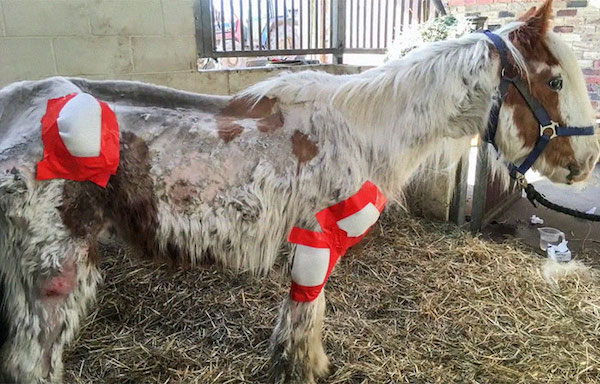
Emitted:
pixel 378 97
pixel 405 101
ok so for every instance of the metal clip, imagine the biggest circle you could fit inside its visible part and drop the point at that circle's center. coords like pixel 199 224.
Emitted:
pixel 553 125
pixel 521 180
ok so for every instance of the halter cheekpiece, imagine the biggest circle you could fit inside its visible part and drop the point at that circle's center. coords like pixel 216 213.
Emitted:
pixel 549 129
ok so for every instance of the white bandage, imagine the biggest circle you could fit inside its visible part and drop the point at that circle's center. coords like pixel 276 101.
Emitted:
pixel 358 223
pixel 80 126
pixel 310 265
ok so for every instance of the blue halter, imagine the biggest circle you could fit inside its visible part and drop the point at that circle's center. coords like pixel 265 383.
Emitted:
pixel 549 129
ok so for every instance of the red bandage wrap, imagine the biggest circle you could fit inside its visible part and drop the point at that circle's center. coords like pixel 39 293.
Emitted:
pixel 343 225
pixel 92 155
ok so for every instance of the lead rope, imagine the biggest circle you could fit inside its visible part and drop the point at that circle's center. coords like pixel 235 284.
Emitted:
pixel 533 196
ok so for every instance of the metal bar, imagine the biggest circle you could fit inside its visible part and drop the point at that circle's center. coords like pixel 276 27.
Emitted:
pixel 276 24
pixel 223 25
pixel 395 2
pixel 293 25
pixel 280 52
pixel 232 26
pixel 242 42
pixel 301 26
pixel 480 188
pixel 260 34
pixel 338 42
pixel 379 24
pixel 357 24
pixel 317 23
pixel 419 11
pixel 284 24
pixel 440 7
pixel 308 26
pixel 387 17
pixel 323 23
pixel 350 35
pixel 268 25
pixel 402 14
pixel 251 25
pixel 205 33
pixel 371 22
pixel 365 50
pixel 331 24
pixel 411 12
pixel 365 24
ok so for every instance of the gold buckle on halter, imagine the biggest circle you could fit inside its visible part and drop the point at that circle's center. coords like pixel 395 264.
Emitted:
pixel 521 180
pixel 553 125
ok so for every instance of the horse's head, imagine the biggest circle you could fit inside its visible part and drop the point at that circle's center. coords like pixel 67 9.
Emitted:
pixel 557 82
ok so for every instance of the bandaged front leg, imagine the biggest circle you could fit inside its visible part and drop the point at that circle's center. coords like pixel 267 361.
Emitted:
pixel 343 225
pixel 298 353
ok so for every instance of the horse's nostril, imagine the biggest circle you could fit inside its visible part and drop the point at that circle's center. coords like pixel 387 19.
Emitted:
pixel 574 171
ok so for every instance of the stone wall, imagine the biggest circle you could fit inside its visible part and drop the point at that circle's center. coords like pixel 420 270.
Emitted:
pixel 578 21
pixel 127 39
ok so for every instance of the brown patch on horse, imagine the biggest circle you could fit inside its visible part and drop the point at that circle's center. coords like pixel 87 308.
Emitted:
pixel 82 212
pixel 134 206
pixel 303 148
pixel 228 128
pixel 271 124
pixel 266 110
pixel 242 108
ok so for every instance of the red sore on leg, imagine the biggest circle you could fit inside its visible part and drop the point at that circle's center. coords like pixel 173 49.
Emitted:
pixel 61 284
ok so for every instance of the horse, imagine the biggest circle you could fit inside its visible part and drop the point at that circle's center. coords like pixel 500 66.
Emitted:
pixel 223 180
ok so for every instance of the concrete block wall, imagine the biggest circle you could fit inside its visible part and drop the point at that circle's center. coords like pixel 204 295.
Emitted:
pixel 577 20
pixel 127 39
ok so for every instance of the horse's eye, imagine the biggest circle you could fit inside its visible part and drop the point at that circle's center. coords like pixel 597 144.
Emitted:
pixel 556 83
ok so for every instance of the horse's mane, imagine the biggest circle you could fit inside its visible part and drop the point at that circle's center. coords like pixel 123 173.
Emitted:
pixel 378 97
pixel 407 95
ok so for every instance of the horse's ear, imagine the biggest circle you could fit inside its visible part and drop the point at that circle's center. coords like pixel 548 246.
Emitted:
pixel 537 23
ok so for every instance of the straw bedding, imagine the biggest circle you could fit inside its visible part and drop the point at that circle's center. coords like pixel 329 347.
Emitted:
pixel 416 302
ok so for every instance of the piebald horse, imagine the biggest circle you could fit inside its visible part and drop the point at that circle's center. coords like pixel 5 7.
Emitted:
pixel 207 179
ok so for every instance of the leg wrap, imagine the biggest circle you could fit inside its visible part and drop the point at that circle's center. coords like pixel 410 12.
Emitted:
pixel 343 225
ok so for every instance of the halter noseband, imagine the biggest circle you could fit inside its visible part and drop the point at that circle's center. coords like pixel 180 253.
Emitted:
pixel 549 129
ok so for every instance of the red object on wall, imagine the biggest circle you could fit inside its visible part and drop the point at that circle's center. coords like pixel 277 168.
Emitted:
pixel 59 163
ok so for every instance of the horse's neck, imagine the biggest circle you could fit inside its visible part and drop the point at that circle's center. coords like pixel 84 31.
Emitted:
pixel 442 93
pixel 409 109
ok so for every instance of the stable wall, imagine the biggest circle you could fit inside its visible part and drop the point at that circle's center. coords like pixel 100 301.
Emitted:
pixel 129 39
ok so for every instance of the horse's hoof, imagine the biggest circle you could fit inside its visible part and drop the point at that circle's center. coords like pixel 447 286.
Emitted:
pixel 297 365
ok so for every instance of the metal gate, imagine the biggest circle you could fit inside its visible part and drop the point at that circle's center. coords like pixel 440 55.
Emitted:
pixel 240 28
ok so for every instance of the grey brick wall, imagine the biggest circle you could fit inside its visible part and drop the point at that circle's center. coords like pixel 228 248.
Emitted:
pixel 130 39
pixel 577 21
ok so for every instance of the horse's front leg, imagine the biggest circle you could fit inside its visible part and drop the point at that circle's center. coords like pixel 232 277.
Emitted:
pixel 298 355
pixel 47 279
pixel 42 309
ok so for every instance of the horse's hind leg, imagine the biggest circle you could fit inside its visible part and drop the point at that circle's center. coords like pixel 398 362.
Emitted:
pixel 47 279
pixel 298 355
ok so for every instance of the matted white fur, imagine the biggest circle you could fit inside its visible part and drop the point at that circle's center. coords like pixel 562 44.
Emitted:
pixel 358 223
pixel 310 265
pixel 80 125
